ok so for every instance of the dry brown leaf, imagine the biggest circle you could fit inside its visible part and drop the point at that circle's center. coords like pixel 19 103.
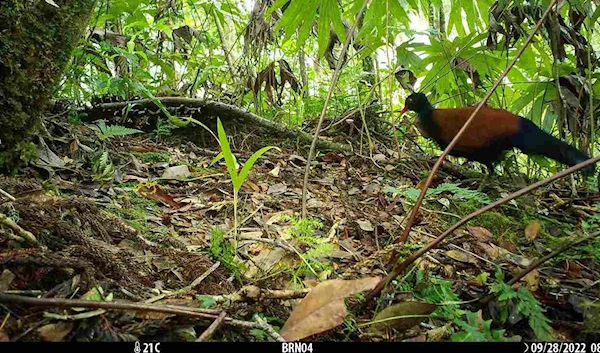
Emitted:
pixel 532 230
pixel 480 233
pixel 461 256
pixel 55 332
pixel 323 308
pixel 365 225
pixel 395 316
pixel 533 280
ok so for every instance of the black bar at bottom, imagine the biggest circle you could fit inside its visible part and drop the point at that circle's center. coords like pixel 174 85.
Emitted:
pixel 310 347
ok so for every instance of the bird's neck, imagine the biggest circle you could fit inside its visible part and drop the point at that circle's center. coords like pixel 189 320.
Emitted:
pixel 424 113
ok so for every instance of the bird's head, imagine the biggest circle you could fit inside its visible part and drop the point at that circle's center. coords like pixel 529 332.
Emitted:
pixel 415 102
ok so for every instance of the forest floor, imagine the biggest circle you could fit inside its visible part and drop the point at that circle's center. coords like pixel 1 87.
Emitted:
pixel 149 223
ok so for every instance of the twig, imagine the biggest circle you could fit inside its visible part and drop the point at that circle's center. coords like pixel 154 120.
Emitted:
pixel 188 288
pixel 7 195
pixel 400 268
pixel 540 261
pixel 212 328
pixel 256 293
pixel 411 219
pixel 336 75
pixel 169 309
pixel 268 328
pixel 7 221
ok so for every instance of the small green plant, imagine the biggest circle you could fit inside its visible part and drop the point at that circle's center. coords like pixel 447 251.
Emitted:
pixel 525 304
pixel 237 179
pixel 164 128
pixel 303 230
pixel 107 132
pixel 206 301
pixel 439 291
pixel 475 329
pixel 102 167
pixel 222 250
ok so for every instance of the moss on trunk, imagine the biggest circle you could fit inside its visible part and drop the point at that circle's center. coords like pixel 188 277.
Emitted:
pixel 36 43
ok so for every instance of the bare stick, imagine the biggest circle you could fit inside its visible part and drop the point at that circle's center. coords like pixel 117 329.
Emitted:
pixel 400 268
pixel 540 261
pixel 268 328
pixel 169 309
pixel 7 195
pixel 336 75
pixel 212 328
pixel 187 288
pixel 411 219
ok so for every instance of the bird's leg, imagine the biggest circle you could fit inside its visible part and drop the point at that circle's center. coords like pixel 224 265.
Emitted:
pixel 486 178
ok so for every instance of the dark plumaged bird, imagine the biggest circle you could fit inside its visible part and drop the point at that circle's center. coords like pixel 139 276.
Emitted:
pixel 491 133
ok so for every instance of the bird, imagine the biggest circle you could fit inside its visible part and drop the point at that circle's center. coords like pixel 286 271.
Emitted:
pixel 491 133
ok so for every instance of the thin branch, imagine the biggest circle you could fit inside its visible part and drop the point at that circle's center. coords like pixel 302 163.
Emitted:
pixel 212 328
pixel 451 145
pixel 169 309
pixel 540 261
pixel 400 268
pixel 336 75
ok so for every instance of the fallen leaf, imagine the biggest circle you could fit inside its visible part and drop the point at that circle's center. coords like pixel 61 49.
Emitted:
pixel 275 171
pixel 251 186
pixel 533 280
pixel 6 279
pixel 180 172
pixel 395 316
pixel 532 230
pixel 365 225
pixel 379 157
pixel 4 337
pixel 55 332
pixel 323 308
pixel 461 256
pixel 480 233
pixel 314 203
pixel 277 189
pixel 154 192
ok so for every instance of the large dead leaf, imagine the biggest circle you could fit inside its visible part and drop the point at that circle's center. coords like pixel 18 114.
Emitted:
pixel 402 316
pixel 532 230
pixel 323 308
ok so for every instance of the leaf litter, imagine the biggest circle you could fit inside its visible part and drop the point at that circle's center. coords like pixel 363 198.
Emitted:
pixel 155 231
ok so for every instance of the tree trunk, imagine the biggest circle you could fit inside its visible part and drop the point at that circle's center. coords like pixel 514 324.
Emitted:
pixel 36 43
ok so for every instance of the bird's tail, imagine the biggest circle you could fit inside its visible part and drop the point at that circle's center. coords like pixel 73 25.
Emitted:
pixel 532 140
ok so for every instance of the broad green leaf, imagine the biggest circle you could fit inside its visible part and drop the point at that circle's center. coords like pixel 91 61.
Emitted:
pixel 249 164
pixel 227 154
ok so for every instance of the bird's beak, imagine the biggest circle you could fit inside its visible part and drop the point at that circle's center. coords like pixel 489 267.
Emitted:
pixel 403 110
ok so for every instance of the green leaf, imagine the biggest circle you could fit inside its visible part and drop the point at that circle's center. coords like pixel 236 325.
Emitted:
pixel 227 154
pixel 248 166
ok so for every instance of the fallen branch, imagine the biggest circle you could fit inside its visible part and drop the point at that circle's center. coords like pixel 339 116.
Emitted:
pixel 264 325
pixel 411 219
pixel 212 108
pixel 168 309
pixel 255 293
pixel 212 328
pixel 400 268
